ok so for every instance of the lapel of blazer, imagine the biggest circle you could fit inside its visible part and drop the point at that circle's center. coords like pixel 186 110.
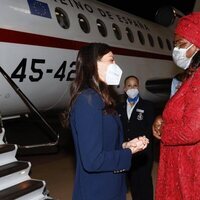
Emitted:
pixel 124 112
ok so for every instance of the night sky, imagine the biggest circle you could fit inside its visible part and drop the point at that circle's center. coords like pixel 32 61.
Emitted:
pixel 139 8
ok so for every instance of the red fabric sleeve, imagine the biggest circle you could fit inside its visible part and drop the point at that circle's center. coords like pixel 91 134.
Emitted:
pixel 187 130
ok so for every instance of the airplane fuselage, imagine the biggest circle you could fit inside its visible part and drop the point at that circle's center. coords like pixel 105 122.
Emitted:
pixel 39 41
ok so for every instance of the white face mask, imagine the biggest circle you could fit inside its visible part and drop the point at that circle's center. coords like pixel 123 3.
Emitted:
pixel 113 74
pixel 180 58
pixel 132 93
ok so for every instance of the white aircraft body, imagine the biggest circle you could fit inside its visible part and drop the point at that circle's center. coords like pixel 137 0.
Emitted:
pixel 39 41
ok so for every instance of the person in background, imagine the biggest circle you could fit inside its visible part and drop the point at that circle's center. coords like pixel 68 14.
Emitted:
pixel 177 81
pixel 137 116
pixel 101 156
pixel 178 127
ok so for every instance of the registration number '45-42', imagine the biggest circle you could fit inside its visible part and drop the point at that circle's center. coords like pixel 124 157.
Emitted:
pixel 38 70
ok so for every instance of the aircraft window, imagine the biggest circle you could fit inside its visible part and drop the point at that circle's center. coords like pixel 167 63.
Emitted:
pixel 169 44
pixel 151 41
pixel 84 24
pixel 160 42
pixel 141 37
pixel 62 18
pixel 102 28
pixel 159 85
pixel 129 34
pixel 117 31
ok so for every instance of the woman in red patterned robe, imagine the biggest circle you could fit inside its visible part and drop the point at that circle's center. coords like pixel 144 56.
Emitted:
pixel 179 127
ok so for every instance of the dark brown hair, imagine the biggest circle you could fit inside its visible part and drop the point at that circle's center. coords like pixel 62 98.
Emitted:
pixel 195 63
pixel 87 74
pixel 131 76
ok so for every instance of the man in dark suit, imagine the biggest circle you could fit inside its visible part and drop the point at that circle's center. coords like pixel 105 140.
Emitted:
pixel 137 116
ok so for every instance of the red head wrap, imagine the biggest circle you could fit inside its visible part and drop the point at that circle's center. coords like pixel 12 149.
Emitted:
pixel 189 27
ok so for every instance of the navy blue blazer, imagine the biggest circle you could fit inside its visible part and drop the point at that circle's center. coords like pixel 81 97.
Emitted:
pixel 141 120
pixel 100 159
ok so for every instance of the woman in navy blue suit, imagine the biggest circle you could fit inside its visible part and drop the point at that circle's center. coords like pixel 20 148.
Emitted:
pixel 101 158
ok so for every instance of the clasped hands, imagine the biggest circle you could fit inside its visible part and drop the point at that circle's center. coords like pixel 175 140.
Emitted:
pixel 136 144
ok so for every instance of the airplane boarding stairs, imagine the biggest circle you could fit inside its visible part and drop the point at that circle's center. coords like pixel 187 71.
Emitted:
pixel 15 182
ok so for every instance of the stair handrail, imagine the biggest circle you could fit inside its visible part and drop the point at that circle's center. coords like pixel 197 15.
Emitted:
pixel 1 124
pixel 32 108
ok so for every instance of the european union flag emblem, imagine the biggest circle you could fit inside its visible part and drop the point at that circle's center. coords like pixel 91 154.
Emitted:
pixel 39 8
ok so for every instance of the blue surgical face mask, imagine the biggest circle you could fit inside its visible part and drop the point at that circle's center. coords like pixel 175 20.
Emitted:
pixel 180 58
